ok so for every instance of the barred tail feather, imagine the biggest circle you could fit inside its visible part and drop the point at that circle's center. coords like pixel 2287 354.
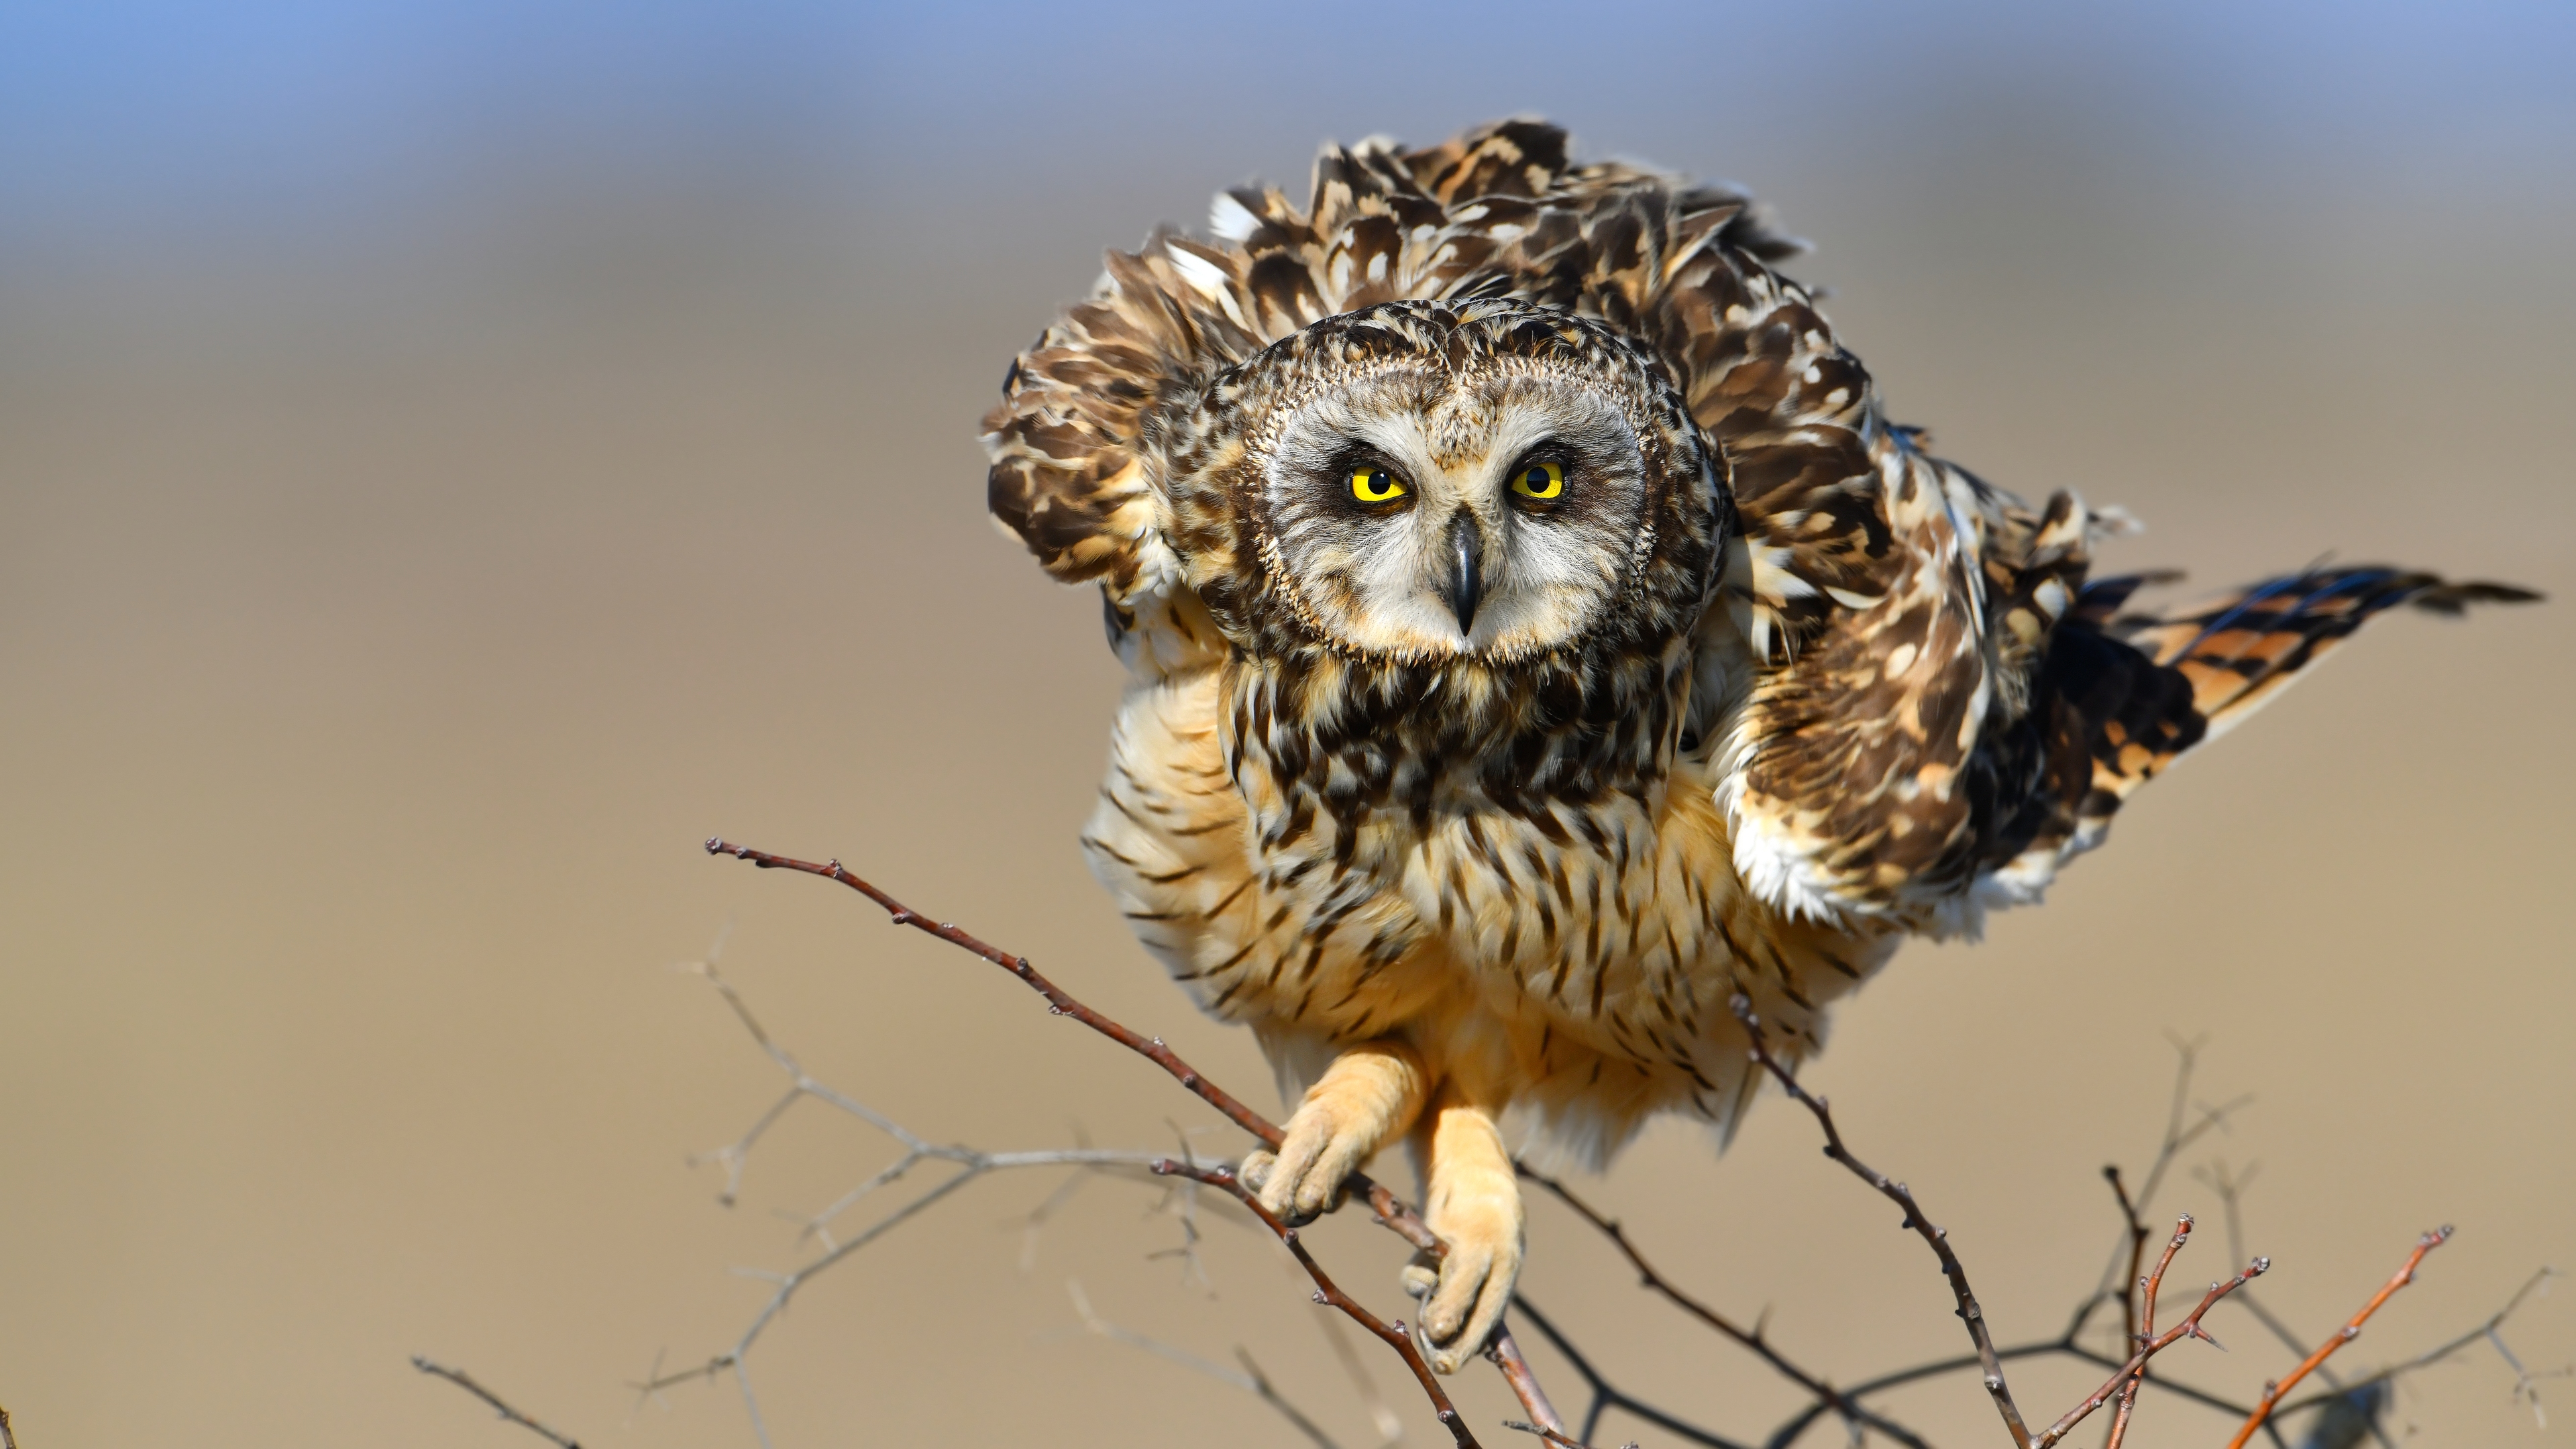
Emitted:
pixel 2121 696
pixel 2241 649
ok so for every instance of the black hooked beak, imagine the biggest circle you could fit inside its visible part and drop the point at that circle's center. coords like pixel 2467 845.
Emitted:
pixel 1466 581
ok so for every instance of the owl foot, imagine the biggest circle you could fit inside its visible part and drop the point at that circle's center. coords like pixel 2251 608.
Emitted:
pixel 1474 1204
pixel 1371 1092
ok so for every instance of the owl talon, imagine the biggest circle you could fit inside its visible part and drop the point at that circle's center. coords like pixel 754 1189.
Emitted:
pixel 1371 1092
pixel 1302 1181
pixel 1463 1296
pixel 1254 1170
pixel 1474 1204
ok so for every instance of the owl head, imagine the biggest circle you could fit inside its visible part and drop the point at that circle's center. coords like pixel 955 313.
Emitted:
pixel 1424 483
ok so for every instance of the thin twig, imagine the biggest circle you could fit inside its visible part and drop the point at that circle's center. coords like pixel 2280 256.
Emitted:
pixel 1555 1436
pixel 2146 1331
pixel 466 1382
pixel 970 1163
pixel 2188 1328
pixel 1387 1209
pixel 1607 1396
pixel 8 1439
pixel 1968 1310
pixel 2272 1392
pixel 1507 1356
pixel 2129 1378
pixel 1252 1380
pixel 1328 1292
pixel 1752 1338
pixel 1271 1396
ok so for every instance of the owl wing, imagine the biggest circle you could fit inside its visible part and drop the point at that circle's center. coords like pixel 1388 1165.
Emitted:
pixel 1917 707
pixel 1914 701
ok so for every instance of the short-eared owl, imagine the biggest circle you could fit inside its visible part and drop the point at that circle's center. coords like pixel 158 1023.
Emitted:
pixel 1539 635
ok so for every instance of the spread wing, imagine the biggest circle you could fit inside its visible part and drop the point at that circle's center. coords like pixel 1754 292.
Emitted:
pixel 1913 702
pixel 1919 707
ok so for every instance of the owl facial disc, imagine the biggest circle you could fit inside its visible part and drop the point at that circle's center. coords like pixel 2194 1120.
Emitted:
pixel 1431 483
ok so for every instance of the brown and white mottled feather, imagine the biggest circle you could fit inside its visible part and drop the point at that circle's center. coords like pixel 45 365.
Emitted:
pixel 1886 700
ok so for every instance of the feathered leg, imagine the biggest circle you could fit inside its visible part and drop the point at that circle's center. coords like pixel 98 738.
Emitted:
pixel 1370 1094
pixel 1472 1199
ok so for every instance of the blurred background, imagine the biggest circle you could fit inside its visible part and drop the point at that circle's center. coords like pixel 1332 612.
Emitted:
pixel 454 458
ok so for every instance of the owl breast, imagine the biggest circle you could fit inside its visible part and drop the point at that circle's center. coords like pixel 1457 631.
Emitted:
pixel 1575 949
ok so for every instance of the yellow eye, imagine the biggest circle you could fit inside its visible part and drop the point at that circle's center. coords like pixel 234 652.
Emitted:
pixel 1542 481
pixel 1373 484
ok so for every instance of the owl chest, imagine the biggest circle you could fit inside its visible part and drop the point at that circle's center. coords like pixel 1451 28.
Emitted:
pixel 1604 917
pixel 1614 925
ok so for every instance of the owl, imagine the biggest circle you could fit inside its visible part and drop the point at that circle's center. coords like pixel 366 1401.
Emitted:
pixel 1538 636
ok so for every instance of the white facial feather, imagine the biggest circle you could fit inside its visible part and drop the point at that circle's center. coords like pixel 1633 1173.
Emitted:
pixel 1378 577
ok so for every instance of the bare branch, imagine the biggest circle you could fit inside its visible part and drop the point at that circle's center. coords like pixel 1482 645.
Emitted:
pixel 2186 1123
pixel 1384 1206
pixel 1607 1396
pixel 1328 1292
pixel 2146 1331
pixel 1553 1435
pixel 463 1381
pixel 1751 1339
pixel 2188 1328
pixel 1506 1355
pixel 1969 1311
pixel 1269 1395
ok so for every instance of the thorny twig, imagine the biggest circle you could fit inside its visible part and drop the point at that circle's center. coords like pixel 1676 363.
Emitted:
pixel 466 1382
pixel 2351 1330
pixel 2146 1331
pixel 2188 1328
pixel 1384 1206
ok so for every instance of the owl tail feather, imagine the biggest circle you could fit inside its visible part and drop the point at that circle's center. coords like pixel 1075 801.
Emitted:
pixel 2242 648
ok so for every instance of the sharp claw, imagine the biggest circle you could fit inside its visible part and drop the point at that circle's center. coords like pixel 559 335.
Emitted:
pixel 1255 1170
pixel 1421 1277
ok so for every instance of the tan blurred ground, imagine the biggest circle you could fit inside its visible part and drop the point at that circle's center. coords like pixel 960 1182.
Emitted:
pixel 382 635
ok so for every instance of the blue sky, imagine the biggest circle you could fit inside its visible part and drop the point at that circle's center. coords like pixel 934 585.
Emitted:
pixel 172 120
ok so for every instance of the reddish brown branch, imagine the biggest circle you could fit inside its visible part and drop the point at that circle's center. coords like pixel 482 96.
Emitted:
pixel 1506 1354
pixel 1150 1048
pixel 2138 1235
pixel 1969 1311
pixel 2128 1372
pixel 2272 1392
pixel 1328 1292
pixel 2146 1330
pixel 1389 1210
